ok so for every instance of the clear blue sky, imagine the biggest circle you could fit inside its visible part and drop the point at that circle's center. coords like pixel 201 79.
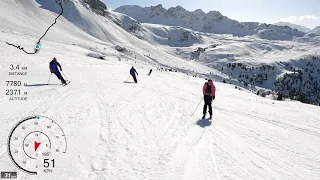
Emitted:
pixel 303 12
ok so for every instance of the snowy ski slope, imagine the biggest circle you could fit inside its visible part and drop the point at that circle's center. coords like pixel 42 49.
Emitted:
pixel 121 130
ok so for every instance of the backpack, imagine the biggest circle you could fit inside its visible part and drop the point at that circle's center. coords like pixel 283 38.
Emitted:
pixel 208 89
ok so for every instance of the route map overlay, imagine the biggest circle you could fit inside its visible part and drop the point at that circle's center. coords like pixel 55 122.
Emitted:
pixel 37 46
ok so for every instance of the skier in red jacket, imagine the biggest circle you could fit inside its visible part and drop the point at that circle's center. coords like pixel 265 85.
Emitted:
pixel 209 92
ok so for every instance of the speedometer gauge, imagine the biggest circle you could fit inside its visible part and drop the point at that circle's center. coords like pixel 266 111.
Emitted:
pixel 34 142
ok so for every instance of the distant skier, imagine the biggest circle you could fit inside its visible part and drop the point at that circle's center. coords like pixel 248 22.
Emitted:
pixel 209 91
pixel 133 73
pixel 53 65
pixel 150 72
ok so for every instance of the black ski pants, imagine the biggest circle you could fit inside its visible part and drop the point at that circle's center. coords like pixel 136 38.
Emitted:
pixel 59 76
pixel 134 78
pixel 207 102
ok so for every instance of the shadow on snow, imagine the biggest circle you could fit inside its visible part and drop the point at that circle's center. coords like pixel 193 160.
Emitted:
pixel 128 82
pixel 204 123
pixel 37 85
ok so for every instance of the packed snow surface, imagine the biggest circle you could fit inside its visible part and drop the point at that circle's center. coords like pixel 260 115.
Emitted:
pixel 117 129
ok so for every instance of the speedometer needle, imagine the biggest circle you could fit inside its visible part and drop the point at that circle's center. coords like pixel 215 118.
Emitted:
pixel 36 145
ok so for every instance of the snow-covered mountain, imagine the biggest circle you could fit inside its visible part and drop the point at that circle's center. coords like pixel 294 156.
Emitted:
pixel 211 22
pixel 157 34
pixel 316 30
pixel 97 6
pixel 294 26
pixel 218 51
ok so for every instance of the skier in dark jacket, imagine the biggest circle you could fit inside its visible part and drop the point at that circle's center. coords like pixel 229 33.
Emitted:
pixel 209 92
pixel 133 73
pixel 53 65
pixel 150 72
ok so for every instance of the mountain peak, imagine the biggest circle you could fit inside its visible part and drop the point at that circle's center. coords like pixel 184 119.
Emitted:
pixel 159 6
pixel 316 30
pixel 97 6
pixel 294 26
pixel 199 11
pixel 180 8
pixel 216 14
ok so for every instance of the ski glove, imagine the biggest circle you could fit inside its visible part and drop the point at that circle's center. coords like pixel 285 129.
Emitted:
pixel 213 97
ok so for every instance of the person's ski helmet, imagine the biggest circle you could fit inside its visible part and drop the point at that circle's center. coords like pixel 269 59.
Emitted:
pixel 54 58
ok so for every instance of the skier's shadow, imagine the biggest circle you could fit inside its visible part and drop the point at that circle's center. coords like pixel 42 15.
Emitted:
pixel 38 85
pixel 204 123
pixel 128 82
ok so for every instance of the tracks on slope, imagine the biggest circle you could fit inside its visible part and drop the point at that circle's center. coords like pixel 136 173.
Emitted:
pixel 161 140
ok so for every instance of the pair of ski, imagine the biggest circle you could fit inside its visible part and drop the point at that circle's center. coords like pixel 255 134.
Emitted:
pixel 68 82
pixel 204 118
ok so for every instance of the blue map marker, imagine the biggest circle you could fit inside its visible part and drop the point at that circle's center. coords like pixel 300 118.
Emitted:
pixel 37 47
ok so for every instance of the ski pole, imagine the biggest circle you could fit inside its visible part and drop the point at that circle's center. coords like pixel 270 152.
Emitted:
pixel 65 76
pixel 197 107
pixel 49 78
